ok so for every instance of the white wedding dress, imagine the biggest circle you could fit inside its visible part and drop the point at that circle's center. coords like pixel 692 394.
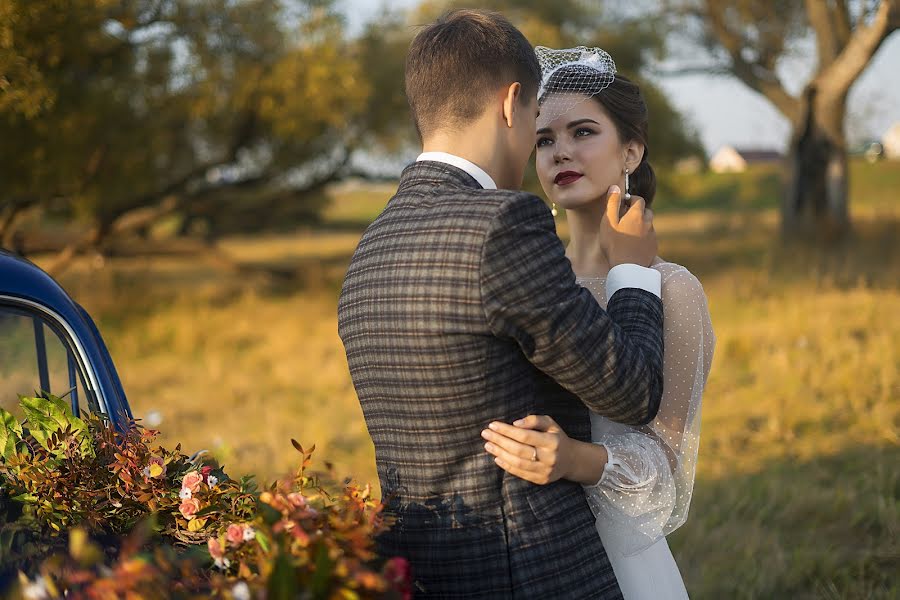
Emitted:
pixel 645 491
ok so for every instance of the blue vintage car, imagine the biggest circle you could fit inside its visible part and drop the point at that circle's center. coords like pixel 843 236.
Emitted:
pixel 49 343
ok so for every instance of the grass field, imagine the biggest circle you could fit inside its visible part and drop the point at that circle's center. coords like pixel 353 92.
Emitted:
pixel 798 488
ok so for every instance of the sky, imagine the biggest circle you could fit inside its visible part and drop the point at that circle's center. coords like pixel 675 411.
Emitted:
pixel 725 112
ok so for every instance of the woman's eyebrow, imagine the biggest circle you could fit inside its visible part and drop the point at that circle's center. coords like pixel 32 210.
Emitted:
pixel 576 123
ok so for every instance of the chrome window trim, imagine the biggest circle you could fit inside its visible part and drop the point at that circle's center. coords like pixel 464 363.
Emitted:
pixel 82 355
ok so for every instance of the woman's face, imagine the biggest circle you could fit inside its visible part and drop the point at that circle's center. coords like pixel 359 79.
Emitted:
pixel 579 154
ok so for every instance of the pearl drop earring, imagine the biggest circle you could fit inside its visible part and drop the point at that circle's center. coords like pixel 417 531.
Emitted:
pixel 553 210
pixel 627 187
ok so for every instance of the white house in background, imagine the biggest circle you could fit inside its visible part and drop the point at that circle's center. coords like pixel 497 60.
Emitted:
pixel 729 159
pixel 891 142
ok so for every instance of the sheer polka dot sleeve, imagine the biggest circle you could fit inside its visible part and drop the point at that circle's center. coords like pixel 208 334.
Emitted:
pixel 646 488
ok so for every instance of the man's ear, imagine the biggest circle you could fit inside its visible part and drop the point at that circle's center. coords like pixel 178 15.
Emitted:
pixel 511 102
pixel 634 152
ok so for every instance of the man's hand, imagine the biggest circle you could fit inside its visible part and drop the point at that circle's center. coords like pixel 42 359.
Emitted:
pixel 631 237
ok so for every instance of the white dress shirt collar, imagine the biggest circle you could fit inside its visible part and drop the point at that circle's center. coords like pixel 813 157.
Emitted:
pixel 477 173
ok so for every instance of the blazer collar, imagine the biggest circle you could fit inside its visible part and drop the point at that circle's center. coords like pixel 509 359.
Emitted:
pixel 480 175
pixel 431 172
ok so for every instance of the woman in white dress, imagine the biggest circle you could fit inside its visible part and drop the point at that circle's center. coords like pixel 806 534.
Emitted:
pixel 592 134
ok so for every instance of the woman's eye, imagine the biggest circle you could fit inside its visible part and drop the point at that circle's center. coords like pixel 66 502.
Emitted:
pixel 544 141
pixel 583 131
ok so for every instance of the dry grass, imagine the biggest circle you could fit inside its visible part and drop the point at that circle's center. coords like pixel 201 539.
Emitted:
pixel 798 485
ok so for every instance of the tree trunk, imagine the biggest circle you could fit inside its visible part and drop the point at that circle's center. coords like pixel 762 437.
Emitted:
pixel 815 202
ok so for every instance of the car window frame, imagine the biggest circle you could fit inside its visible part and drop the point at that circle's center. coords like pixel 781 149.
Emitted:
pixel 67 335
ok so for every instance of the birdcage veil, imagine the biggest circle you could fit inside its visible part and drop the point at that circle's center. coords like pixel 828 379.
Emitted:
pixel 570 76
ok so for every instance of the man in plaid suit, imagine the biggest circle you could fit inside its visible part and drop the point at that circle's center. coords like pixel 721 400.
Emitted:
pixel 459 308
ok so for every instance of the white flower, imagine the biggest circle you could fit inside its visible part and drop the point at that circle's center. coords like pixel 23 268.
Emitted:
pixel 223 563
pixel 36 590
pixel 249 533
pixel 212 480
pixel 185 494
pixel 241 591
pixel 153 418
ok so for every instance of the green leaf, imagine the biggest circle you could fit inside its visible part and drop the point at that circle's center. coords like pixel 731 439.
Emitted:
pixel 262 541
pixel 10 434
pixel 61 405
pixel 322 576
pixel 47 416
pixel 281 584
pixel 52 408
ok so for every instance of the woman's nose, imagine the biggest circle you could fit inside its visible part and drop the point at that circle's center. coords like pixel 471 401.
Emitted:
pixel 560 152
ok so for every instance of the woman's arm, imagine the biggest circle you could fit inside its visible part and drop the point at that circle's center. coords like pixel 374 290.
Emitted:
pixel 648 472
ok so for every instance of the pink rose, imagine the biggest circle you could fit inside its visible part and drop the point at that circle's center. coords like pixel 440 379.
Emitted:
pixel 192 481
pixel 235 534
pixel 215 548
pixel 297 500
pixel 189 508
pixel 398 572
pixel 300 535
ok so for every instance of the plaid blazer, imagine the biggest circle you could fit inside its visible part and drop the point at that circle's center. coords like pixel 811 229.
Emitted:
pixel 459 308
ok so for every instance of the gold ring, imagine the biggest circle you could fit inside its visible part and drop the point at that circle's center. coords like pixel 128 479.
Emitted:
pixel 534 455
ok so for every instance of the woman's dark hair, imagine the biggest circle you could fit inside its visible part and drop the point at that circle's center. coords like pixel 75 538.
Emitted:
pixel 623 103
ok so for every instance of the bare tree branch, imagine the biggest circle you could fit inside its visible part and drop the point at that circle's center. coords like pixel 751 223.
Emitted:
pixel 823 22
pixel 62 260
pixel 757 77
pixel 894 16
pixel 10 218
pixel 144 216
pixel 687 70
pixel 843 27
pixel 837 78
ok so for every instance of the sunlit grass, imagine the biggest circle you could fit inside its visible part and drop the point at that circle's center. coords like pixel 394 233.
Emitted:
pixel 798 487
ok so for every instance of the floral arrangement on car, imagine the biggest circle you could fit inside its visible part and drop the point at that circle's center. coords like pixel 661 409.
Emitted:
pixel 90 512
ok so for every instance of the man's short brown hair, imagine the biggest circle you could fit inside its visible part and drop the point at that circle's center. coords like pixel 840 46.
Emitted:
pixel 455 64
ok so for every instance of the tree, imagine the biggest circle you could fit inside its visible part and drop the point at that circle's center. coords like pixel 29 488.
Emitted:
pixel 748 38
pixel 226 115
pixel 120 112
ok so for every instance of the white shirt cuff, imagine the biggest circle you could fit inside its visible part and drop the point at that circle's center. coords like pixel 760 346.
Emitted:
pixel 610 463
pixel 633 276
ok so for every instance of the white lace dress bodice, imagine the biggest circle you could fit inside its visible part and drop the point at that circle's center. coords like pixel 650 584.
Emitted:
pixel 646 487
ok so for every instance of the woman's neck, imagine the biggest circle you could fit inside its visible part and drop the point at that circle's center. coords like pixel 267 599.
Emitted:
pixel 585 250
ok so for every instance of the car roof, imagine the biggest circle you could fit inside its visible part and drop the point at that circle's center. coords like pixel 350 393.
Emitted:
pixel 21 278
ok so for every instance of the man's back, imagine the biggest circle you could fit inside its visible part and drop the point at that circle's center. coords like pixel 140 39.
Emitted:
pixel 431 373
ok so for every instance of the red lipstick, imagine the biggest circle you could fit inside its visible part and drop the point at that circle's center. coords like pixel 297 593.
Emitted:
pixel 567 177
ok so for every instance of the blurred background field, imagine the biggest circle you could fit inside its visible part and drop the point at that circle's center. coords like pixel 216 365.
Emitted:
pixel 797 492
pixel 197 174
